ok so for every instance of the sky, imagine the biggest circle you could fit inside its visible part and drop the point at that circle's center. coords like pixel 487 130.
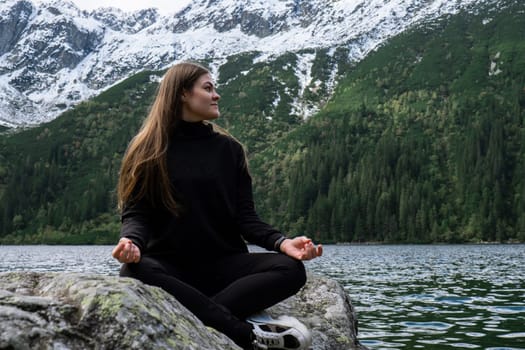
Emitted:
pixel 164 6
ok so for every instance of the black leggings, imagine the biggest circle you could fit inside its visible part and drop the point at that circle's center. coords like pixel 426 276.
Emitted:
pixel 223 293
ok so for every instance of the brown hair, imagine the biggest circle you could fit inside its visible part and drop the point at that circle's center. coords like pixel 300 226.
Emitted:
pixel 144 173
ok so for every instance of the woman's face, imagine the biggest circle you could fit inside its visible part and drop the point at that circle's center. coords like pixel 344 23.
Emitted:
pixel 201 102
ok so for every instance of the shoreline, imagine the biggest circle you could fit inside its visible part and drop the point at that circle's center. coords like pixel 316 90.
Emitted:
pixel 324 244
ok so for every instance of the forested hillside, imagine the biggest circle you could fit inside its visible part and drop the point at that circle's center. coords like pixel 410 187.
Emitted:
pixel 423 141
pixel 58 179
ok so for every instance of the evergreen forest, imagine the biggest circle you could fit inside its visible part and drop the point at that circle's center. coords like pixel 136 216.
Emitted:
pixel 423 141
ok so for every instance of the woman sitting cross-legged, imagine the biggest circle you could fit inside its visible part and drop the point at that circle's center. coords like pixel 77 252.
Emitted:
pixel 187 209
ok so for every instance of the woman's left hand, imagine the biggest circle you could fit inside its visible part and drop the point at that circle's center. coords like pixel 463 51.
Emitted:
pixel 301 248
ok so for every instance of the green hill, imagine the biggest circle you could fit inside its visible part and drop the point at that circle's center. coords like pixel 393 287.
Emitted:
pixel 423 141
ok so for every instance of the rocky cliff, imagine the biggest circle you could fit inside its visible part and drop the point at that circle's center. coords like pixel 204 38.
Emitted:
pixel 88 311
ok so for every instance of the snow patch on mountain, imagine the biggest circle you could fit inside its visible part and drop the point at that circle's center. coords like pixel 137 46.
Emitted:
pixel 303 71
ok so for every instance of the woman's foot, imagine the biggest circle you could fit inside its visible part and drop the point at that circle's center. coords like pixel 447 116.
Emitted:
pixel 283 332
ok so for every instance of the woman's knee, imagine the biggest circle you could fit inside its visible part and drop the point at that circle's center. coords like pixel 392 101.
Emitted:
pixel 296 272
pixel 144 270
pixel 301 273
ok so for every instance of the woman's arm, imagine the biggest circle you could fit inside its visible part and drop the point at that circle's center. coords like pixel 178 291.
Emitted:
pixel 253 229
pixel 134 232
pixel 258 232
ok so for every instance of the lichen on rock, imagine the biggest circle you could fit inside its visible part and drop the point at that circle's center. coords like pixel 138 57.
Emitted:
pixel 90 311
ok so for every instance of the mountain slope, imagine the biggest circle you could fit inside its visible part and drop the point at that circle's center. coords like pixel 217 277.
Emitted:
pixel 424 141
pixel 52 55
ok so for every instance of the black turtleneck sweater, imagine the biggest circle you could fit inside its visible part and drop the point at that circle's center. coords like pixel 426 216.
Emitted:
pixel 211 181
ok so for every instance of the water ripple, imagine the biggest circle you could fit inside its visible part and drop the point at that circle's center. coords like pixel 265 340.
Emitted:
pixel 426 325
pixel 465 296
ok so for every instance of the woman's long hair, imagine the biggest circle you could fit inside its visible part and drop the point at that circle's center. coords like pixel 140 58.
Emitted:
pixel 144 173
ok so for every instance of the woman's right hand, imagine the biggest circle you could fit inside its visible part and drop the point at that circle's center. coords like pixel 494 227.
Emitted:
pixel 126 251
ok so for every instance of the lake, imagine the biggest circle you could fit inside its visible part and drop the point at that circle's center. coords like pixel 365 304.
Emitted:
pixel 406 296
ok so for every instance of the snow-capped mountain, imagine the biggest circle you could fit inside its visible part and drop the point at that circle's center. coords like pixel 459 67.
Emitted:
pixel 54 55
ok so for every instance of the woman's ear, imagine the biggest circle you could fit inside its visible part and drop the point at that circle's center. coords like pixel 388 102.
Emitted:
pixel 186 94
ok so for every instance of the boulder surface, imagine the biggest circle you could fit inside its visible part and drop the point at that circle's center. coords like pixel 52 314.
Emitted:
pixel 90 311
pixel 325 308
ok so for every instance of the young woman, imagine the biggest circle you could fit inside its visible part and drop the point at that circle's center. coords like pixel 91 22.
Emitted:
pixel 187 208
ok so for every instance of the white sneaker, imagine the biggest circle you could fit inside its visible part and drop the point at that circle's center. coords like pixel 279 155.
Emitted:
pixel 284 332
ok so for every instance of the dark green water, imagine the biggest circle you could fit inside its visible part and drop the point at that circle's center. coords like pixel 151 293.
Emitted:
pixel 433 297
pixel 406 296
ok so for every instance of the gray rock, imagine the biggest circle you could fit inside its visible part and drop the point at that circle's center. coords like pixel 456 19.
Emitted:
pixel 89 311
pixel 12 24
pixel 325 308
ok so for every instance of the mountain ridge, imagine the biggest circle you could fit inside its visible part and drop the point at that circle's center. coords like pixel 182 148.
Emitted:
pixel 54 55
